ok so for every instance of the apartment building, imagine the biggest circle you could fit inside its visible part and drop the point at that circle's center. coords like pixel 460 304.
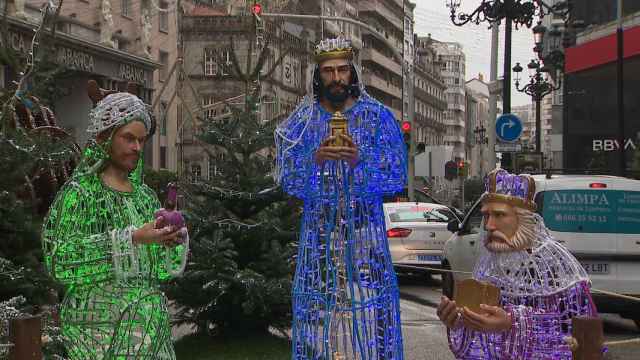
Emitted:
pixel 477 123
pixel 328 28
pixel 382 73
pixel 453 62
pixel 209 34
pixel 527 114
pixel 429 93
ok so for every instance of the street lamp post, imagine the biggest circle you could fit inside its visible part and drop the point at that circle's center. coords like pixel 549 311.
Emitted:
pixel 481 139
pixel 538 87
pixel 518 12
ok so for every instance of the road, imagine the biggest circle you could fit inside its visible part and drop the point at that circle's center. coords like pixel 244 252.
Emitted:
pixel 425 337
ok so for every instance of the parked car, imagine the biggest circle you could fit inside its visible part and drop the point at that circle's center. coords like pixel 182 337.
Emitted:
pixel 417 232
pixel 596 217
pixel 422 196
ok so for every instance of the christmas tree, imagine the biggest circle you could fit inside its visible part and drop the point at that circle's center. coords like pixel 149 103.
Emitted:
pixel 36 158
pixel 242 226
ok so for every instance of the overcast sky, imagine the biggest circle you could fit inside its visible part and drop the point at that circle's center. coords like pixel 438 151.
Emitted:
pixel 432 16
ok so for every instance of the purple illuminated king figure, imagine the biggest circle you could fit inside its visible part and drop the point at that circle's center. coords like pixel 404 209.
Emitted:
pixel 542 285
pixel 340 151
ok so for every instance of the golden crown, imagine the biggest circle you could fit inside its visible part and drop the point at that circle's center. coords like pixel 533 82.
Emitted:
pixel 338 48
pixel 517 190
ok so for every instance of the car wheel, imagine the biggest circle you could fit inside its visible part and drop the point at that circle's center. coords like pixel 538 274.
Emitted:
pixel 448 283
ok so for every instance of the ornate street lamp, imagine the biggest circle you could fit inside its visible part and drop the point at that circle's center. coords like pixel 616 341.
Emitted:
pixel 538 87
pixel 480 135
pixel 518 12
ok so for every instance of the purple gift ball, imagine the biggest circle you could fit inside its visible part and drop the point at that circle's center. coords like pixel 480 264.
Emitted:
pixel 170 214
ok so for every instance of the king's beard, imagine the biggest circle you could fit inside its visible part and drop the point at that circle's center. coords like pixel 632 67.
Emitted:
pixel 523 239
pixel 336 93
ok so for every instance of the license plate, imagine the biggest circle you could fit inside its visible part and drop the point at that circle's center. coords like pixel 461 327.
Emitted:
pixel 597 268
pixel 431 258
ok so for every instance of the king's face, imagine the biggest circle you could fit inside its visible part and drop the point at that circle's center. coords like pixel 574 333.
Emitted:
pixel 501 223
pixel 335 71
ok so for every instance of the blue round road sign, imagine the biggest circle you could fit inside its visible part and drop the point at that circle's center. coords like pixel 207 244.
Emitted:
pixel 508 127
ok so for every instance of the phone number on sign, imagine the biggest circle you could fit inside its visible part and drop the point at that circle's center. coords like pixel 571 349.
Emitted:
pixel 581 218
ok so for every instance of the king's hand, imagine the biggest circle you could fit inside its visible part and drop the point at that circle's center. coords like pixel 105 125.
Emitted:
pixel 327 151
pixel 494 319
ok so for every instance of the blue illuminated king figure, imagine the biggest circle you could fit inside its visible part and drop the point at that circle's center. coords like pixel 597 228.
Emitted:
pixel 340 151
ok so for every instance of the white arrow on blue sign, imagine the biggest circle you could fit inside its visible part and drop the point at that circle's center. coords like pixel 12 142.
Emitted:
pixel 508 127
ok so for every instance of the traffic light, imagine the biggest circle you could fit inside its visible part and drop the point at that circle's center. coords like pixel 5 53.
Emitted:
pixel 256 10
pixel 463 169
pixel 406 134
pixel 450 170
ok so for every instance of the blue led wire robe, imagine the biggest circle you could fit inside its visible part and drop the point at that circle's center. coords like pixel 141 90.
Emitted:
pixel 345 292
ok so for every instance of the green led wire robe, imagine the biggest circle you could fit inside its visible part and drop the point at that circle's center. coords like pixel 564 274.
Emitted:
pixel 113 308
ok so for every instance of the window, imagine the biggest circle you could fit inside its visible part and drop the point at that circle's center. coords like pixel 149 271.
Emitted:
pixel 163 157
pixel 163 118
pixel 196 172
pixel 164 60
pixel 211 171
pixel 164 16
pixel 125 7
pixel 210 64
pixel 63 27
pixel 216 62
pixel 209 112
pixel 421 214
pixel 213 168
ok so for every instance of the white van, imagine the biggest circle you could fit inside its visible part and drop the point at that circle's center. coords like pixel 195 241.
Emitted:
pixel 596 217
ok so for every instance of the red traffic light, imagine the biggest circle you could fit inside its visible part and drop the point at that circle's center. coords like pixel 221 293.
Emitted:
pixel 406 126
pixel 256 9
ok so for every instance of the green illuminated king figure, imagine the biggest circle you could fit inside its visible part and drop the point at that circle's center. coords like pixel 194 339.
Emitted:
pixel 102 242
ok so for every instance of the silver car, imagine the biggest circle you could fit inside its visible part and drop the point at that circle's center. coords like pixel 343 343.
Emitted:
pixel 417 232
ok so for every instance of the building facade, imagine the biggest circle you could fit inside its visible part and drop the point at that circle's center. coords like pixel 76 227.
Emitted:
pixel 113 42
pixel 82 50
pixel 527 114
pixel 590 126
pixel 208 33
pixel 383 73
pixel 453 63
pixel 477 119
pixel 429 94
pixel 328 28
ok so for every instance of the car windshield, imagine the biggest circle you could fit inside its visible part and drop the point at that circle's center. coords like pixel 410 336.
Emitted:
pixel 421 214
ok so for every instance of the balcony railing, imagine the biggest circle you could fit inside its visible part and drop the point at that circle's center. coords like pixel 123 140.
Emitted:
pixel 370 54
pixel 376 6
pixel 454 138
pixel 373 80
pixel 430 123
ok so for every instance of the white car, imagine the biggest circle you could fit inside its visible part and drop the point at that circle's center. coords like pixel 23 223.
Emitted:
pixel 416 232
pixel 596 217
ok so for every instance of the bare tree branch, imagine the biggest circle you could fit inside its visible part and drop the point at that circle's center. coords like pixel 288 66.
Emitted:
pixel 235 62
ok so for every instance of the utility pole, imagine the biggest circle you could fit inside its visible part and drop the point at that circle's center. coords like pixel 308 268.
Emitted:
pixel 506 83
pixel 180 134
pixel 622 164
pixel 493 97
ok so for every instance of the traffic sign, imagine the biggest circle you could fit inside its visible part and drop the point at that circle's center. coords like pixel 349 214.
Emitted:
pixel 508 147
pixel 508 127
pixel 450 170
